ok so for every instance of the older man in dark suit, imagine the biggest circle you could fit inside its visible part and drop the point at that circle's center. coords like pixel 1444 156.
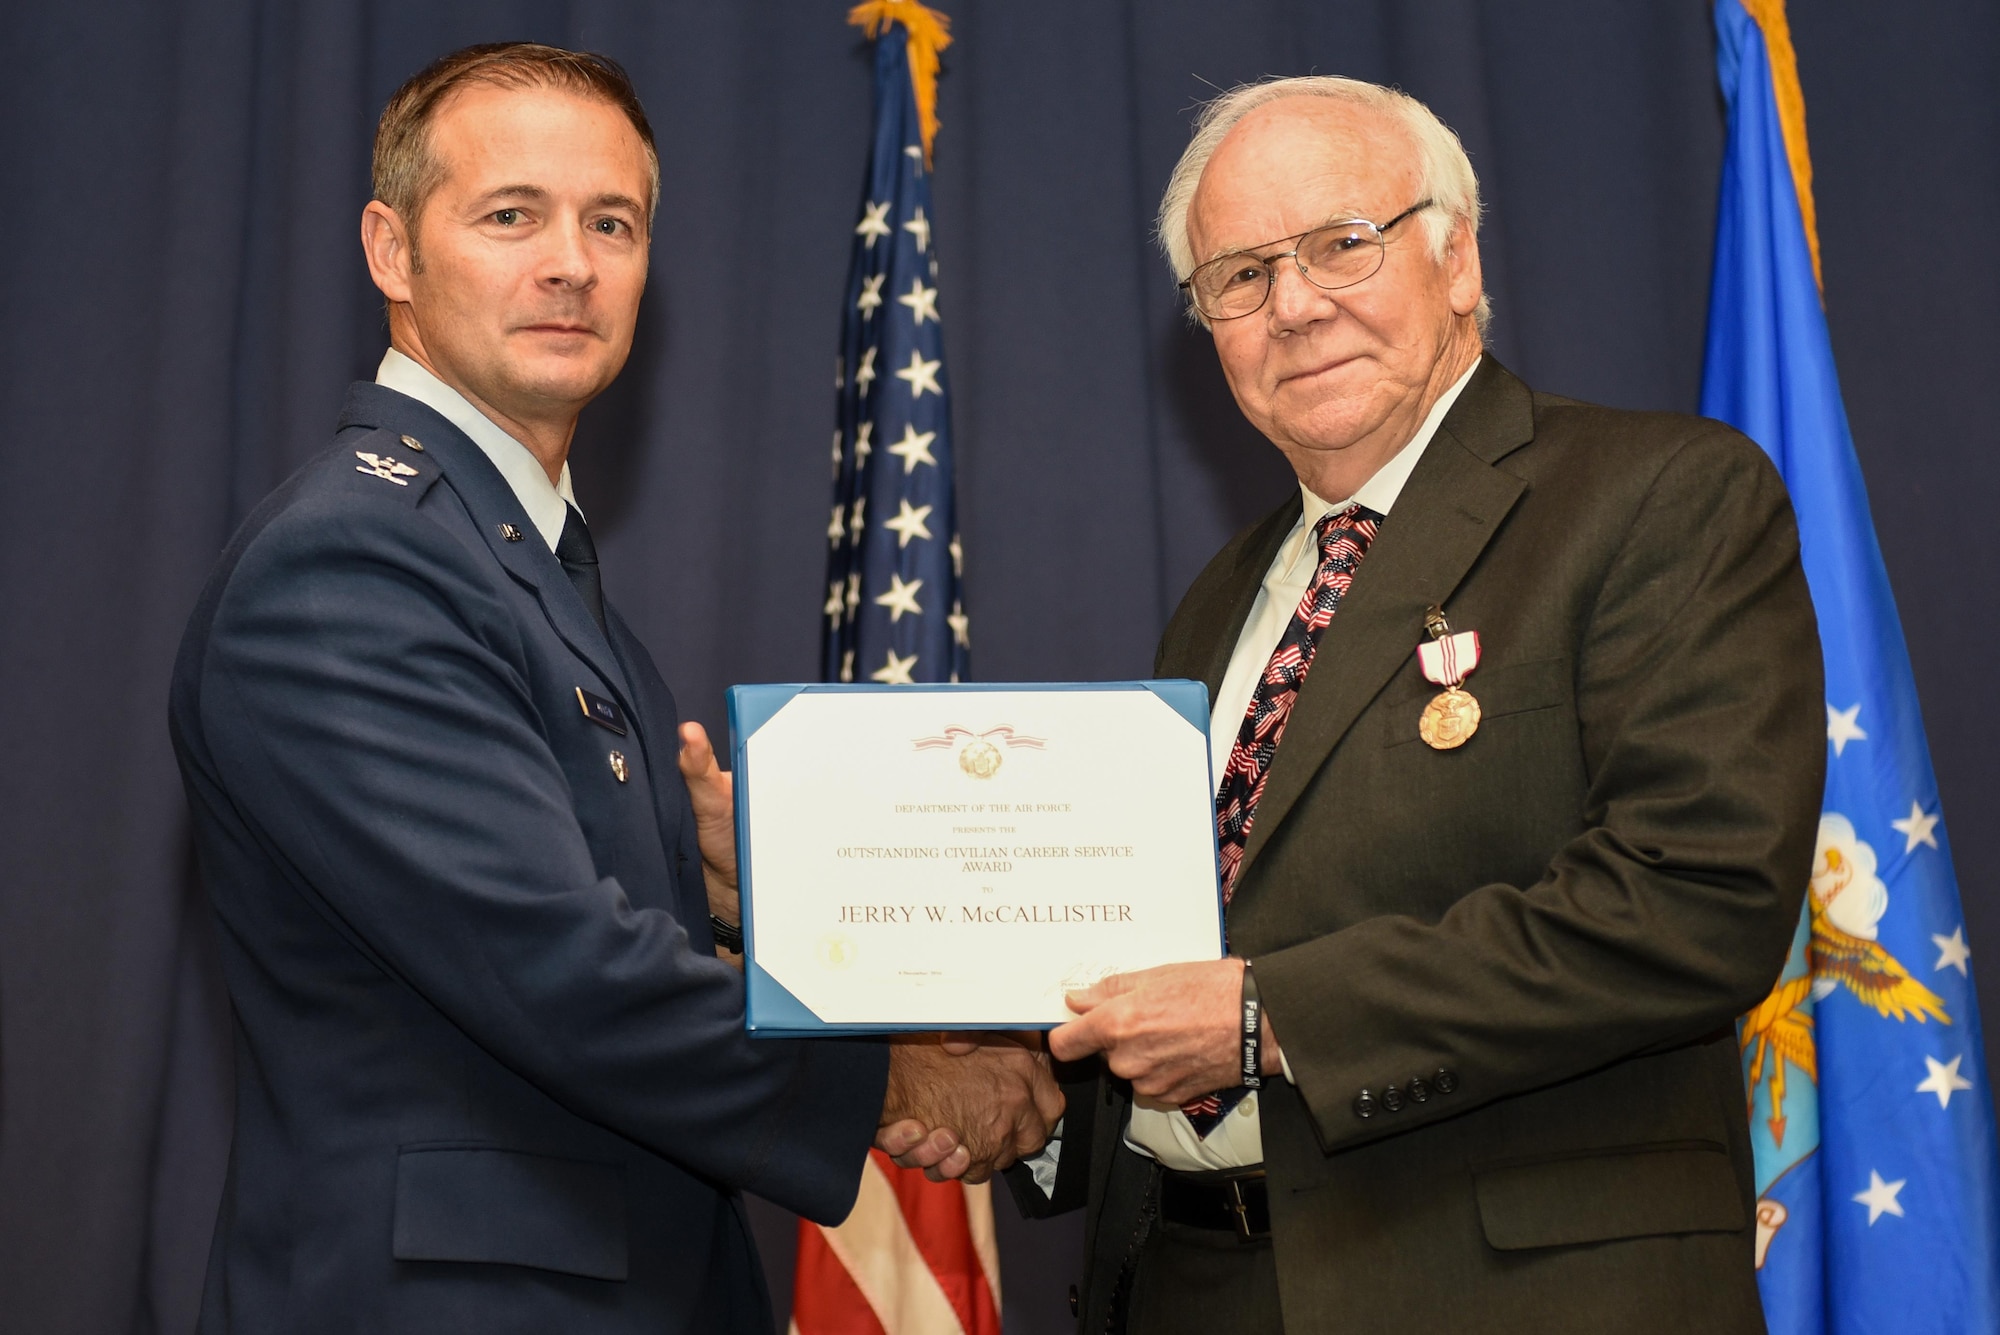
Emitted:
pixel 492 1075
pixel 1518 729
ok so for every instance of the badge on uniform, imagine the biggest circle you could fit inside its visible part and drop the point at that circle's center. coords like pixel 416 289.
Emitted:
pixel 385 466
pixel 1452 716
pixel 604 713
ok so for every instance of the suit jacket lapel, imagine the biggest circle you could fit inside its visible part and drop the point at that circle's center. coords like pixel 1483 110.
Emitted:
pixel 654 716
pixel 492 503
pixel 1219 618
pixel 1449 510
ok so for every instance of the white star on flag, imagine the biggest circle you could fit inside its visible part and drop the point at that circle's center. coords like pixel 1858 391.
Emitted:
pixel 909 523
pixel 961 625
pixel 834 602
pixel 836 452
pixel 847 666
pixel 853 591
pixel 900 598
pixel 914 448
pixel 863 444
pixel 865 376
pixel 1880 1198
pixel 957 557
pixel 1952 951
pixel 874 222
pixel 854 520
pixel 871 294
pixel 915 153
pixel 921 374
pixel 1842 729
pixel 1917 828
pixel 838 527
pixel 896 672
pixel 919 227
pixel 921 300
pixel 1943 1081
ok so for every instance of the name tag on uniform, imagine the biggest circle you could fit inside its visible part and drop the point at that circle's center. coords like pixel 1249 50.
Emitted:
pixel 604 713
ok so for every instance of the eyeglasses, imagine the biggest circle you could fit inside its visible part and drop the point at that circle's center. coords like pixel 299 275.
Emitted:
pixel 1337 255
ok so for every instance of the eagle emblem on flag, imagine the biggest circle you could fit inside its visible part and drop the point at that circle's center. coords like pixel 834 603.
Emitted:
pixel 1845 902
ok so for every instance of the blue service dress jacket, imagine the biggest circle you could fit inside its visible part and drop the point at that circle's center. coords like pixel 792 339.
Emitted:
pixel 490 1075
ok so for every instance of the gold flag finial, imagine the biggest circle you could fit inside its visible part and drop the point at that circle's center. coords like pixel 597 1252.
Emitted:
pixel 929 33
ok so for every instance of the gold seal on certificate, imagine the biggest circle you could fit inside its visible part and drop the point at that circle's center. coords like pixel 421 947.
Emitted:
pixel 956 857
pixel 979 758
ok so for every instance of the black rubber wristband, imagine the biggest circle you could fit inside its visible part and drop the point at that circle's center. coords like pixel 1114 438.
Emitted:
pixel 728 935
pixel 1253 1030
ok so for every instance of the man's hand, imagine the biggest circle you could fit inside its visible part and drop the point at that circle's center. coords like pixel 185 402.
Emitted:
pixel 969 1107
pixel 713 791
pixel 1176 1032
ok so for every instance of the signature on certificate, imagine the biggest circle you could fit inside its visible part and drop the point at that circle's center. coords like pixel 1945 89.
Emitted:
pixel 1080 976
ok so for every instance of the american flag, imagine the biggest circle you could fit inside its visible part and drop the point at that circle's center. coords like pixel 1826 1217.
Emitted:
pixel 893 611
pixel 915 1257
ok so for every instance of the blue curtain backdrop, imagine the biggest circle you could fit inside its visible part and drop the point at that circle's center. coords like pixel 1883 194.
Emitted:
pixel 184 301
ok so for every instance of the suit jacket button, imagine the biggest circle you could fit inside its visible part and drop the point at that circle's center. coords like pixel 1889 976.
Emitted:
pixel 1419 1090
pixel 1444 1082
pixel 1073 1300
pixel 1364 1104
pixel 1392 1099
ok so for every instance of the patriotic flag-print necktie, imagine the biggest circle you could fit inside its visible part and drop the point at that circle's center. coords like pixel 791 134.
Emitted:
pixel 1343 536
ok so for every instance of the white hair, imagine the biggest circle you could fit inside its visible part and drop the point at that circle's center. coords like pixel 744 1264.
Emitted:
pixel 1444 173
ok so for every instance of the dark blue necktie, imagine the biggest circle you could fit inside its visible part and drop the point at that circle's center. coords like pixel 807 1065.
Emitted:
pixel 578 555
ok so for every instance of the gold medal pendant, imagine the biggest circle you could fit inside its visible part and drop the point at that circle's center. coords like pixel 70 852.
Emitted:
pixel 1449 720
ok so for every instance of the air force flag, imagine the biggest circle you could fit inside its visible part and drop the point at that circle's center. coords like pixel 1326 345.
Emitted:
pixel 1872 1120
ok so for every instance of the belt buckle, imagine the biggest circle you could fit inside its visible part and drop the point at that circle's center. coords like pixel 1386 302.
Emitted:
pixel 1240 1208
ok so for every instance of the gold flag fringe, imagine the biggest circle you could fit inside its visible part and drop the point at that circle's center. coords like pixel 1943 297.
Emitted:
pixel 1770 17
pixel 929 33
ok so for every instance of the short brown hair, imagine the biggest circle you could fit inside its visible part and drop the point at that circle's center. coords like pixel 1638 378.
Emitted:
pixel 407 172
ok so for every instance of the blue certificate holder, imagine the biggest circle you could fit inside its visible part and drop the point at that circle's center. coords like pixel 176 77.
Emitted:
pixel 954 857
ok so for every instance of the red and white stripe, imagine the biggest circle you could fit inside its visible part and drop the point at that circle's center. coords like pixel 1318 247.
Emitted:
pixel 1447 661
pixel 915 1258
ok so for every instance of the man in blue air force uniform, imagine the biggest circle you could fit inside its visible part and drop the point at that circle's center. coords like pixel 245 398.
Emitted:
pixel 492 1074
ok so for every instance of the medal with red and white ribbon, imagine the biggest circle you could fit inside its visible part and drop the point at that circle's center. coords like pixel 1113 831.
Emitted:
pixel 1452 716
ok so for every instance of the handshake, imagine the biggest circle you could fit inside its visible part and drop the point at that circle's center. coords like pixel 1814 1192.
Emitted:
pixel 967 1106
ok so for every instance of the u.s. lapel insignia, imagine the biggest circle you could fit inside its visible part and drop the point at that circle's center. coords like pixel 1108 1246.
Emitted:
pixel 387 468
pixel 619 769
pixel 1452 715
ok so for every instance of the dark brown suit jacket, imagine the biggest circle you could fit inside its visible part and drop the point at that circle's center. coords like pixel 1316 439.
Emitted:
pixel 1565 915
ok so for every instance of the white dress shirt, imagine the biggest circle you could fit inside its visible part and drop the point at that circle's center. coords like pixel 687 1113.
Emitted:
pixel 1163 1130
pixel 547 505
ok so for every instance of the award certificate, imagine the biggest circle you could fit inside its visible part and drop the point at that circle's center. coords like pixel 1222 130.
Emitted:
pixel 958 857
